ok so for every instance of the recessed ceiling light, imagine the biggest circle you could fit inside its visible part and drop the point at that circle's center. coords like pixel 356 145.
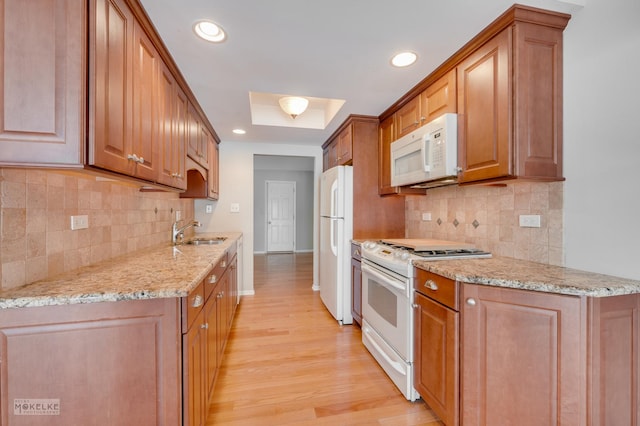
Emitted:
pixel 209 31
pixel 239 131
pixel 403 59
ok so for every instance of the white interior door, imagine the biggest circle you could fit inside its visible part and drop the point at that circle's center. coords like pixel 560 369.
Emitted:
pixel 281 218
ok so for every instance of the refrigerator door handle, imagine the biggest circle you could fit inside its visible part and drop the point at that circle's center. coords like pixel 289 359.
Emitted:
pixel 334 199
pixel 334 237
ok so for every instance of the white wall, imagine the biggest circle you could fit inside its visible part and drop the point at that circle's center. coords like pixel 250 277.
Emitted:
pixel 236 186
pixel 602 138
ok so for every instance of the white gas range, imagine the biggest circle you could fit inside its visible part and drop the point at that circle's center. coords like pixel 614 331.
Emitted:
pixel 387 299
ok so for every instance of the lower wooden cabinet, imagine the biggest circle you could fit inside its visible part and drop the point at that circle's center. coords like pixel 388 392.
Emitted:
pixel 205 338
pixel 523 357
pixel 356 284
pixel 98 363
pixel 495 356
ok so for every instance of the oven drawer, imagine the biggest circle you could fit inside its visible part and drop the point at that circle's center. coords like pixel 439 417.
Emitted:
pixel 437 287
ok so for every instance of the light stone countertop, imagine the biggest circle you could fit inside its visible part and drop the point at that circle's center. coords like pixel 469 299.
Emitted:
pixel 159 272
pixel 525 275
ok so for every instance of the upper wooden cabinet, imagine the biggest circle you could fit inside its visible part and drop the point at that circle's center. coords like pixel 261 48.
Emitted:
pixel 510 106
pixel 373 216
pixel 197 138
pixel 122 137
pixel 408 117
pixel 43 82
pixel 338 151
pixel 437 99
pixel 213 177
pixel 506 86
pixel 104 57
pixel 173 131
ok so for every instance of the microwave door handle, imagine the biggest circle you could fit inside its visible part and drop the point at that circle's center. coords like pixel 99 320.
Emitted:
pixel 426 152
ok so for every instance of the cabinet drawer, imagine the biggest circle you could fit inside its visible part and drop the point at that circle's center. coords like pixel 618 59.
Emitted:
pixel 355 251
pixel 212 280
pixel 191 306
pixel 437 287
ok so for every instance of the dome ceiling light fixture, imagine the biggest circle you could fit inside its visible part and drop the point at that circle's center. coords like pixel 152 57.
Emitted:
pixel 403 59
pixel 293 105
pixel 209 31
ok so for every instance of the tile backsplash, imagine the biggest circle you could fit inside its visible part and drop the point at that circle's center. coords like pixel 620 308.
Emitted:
pixel 488 216
pixel 35 222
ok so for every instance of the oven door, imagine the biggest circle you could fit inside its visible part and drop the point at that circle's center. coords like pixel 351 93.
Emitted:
pixel 386 306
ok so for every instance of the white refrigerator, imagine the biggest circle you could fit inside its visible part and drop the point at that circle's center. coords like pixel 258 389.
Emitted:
pixel 336 231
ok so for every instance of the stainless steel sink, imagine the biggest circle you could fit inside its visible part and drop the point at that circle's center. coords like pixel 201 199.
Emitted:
pixel 204 241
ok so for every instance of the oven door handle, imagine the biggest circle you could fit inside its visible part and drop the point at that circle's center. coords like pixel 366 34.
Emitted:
pixel 394 364
pixel 386 280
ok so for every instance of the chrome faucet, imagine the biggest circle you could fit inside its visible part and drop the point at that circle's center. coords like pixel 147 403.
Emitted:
pixel 179 232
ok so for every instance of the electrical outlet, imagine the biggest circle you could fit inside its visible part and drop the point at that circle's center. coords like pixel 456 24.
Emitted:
pixel 79 222
pixel 426 216
pixel 178 215
pixel 208 208
pixel 530 221
pixel 235 208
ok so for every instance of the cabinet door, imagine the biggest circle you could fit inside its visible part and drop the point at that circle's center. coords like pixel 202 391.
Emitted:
pixel 194 393
pixel 42 79
pixel 211 320
pixel 523 357
pixel 408 117
pixel 100 360
pixel 484 87
pixel 345 145
pixel 436 373
pixel 537 115
pixel 111 133
pixel 333 153
pixel 439 98
pixel 614 351
pixel 356 291
pixel 386 135
pixel 173 131
pixel 145 111
pixel 213 175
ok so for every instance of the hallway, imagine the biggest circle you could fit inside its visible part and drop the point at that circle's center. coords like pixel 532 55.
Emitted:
pixel 288 361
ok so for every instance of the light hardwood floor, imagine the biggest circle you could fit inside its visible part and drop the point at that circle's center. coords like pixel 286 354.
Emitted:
pixel 288 362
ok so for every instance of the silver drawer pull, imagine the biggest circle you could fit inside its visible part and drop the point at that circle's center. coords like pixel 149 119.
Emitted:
pixel 415 305
pixel 223 264
pixel 213 279
pixel 471 301
pixel 197 301
pixel 431 285
pixel 205 325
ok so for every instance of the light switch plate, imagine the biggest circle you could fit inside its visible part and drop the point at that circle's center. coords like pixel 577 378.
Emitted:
pixel 235 208
pixel 426 216
pixel 208 208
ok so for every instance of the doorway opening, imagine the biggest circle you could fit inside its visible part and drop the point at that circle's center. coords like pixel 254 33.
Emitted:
pixel 283 203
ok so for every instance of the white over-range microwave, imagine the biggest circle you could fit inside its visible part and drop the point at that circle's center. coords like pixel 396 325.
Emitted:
pixel 428 156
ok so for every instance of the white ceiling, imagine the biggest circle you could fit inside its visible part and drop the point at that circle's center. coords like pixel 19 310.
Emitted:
pixel 327 49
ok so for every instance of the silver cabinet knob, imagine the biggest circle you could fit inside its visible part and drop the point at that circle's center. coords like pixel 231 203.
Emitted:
pixel 213 279
pixel 431 285
pixel 415 306
pixel 197 301
pixel 471 301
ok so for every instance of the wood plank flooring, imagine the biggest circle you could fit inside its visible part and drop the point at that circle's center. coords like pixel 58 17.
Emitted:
pixel 288 362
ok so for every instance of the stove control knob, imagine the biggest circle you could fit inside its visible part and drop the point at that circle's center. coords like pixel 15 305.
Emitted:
pixel 401 254
pixel 369 245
